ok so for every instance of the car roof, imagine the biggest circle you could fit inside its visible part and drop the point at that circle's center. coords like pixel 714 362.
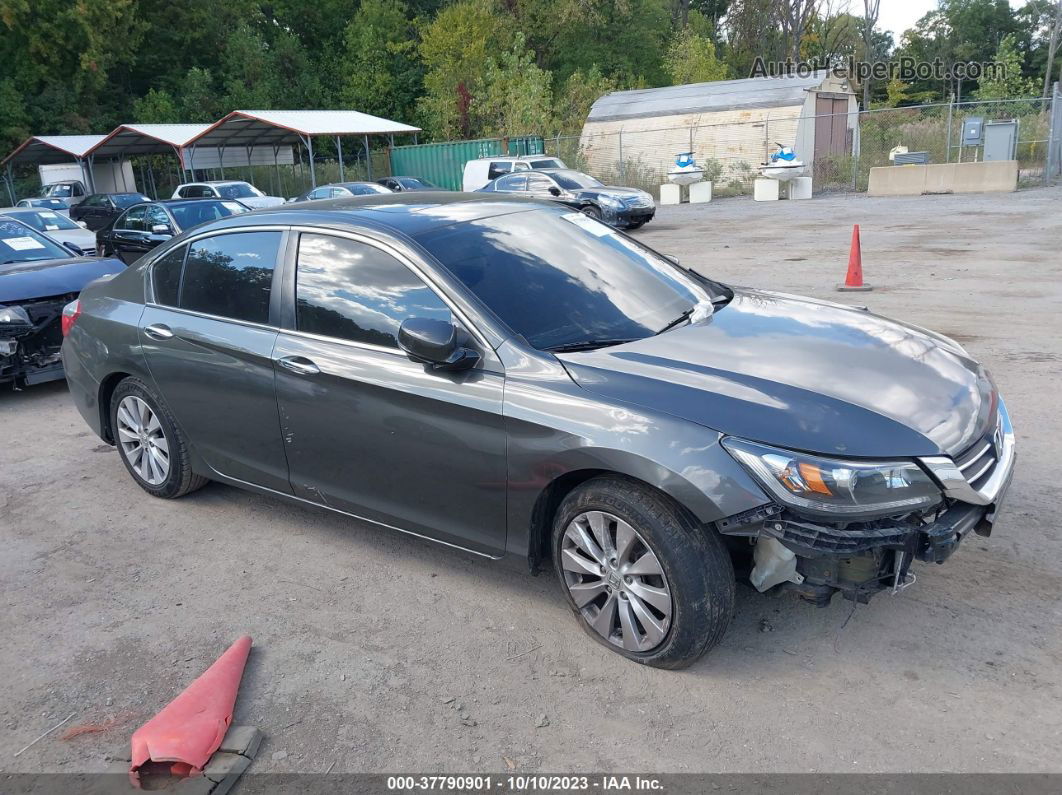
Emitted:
pixel 215 182
pixel 517 157
pixel 402 213
pixel 121 193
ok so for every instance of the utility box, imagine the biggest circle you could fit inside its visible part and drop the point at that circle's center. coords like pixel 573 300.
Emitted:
pixel 1001 140
pixel 973 131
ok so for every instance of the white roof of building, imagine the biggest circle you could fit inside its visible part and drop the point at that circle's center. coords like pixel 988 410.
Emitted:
pixel 53 148
pixel 271 127
pixel 754 92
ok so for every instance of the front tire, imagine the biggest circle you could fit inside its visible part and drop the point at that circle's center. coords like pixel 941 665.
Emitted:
pixel 592 211
pixel 641 575
pixel 152 447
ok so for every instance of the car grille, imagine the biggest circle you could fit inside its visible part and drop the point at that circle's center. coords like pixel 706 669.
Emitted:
pixel 980 459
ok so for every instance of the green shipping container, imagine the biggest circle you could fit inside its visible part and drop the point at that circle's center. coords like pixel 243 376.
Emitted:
pixel 444 163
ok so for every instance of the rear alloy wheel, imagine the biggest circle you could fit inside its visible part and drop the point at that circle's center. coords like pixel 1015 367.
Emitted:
pixel 153 448
pixel 616 581
pixel 641 574
pixel 144 445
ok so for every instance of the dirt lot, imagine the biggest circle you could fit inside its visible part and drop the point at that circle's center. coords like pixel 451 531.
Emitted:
pixel 113 601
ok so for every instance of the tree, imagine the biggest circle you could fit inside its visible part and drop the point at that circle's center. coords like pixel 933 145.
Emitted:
pixel 515 96
pixel 795 15
pixel 871 12
pixel 156 107
pixel 455 48
pixel 14 117
pixel 1009 81
pixel 691 58
pixel 575 97
pixel 380 72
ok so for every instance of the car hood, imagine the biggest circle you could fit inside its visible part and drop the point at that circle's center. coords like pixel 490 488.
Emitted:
pixel 258 202
pixel 803 374
pixel 614 191
pixel 24 281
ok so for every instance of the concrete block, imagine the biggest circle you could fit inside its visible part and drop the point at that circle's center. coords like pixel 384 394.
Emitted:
pixel 798 188
pixel 983 177
pixel 765 190
pixel 670 193
pixel 242 740
pixel 700 192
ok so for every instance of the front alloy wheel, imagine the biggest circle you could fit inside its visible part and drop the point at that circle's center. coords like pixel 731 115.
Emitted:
pixel 616 581
pixel 142 440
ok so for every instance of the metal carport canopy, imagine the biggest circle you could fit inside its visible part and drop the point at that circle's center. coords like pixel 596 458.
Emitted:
pixel 46 149
pixel 146 139
pixel 274 127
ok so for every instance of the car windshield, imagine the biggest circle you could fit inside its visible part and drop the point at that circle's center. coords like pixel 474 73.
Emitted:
pixel 55 204
pixel 550 163
pixel 20 243
pixel 203 210
pixel 238 190
pixel 562 279
pixel 573 180
pixel 415 183
pixel 57 190
pixel 124 200
pixel 43 220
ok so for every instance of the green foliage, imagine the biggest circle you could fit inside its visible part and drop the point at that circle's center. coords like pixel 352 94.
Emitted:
pixel 515 96
pixel 690 58
pixel 156 107
pixel 1009 82
pixel 380 73
pixel 575 97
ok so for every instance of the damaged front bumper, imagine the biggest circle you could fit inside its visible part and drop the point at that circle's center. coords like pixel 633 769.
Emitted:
pixel 30 341
pixel 817 559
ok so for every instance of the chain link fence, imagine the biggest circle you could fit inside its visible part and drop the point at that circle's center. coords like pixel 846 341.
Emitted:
pixel 733 153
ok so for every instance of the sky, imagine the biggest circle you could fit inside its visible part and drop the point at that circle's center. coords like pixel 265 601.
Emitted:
pixel 899 15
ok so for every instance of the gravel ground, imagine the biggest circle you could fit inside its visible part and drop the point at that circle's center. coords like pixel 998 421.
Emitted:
pixel 379 652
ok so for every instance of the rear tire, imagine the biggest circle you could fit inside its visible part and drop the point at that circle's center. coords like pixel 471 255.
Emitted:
pixel 592 211
pixel 693 564
pixel 152 447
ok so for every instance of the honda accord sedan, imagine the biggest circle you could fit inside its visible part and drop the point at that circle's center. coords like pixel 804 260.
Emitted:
pixel 522 381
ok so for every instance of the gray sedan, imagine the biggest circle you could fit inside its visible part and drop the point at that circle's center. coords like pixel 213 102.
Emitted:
pixel 521 381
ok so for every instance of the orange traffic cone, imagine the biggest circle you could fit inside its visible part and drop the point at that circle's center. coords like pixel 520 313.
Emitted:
pixel 190 728
pixel 853 282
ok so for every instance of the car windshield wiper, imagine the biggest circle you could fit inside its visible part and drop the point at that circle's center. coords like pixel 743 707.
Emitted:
pixel 699 311
pixel 585 345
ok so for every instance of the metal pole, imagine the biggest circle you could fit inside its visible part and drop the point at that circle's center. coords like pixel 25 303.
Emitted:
pixel 339 149
pixel 368 159
pixel 309 154
pixel 10 185
pixel 276 166
pixel 221 160
pixel 1054 137
pixel 951 105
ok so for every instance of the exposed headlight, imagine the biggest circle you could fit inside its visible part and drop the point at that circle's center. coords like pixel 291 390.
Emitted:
pixel 836 488
pixel 609 201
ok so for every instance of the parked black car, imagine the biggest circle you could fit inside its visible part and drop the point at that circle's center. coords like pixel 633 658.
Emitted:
pixel 626 207
pixel 99 209
pixel 340 190
pixel 144 226
pixel 38 277
pixel 404 184
pixel 518 379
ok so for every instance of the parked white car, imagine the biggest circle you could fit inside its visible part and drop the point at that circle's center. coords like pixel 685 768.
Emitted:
pixel 72 191
pixel 58 227
pixel 486 169
pixel 245 192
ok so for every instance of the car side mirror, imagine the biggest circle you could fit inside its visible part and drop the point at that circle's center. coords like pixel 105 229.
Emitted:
pixel 82 224
pixel 434 342
pixel 554 191
pixel 76 249
pixel 161 229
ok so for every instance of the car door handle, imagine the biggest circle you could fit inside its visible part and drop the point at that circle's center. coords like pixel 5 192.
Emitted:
pixel 299 364
pixel 158 332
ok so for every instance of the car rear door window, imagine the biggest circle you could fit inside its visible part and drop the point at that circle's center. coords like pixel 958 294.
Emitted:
pixel 514 182
pixel 358 292
pixel 166 277
pixel 231 275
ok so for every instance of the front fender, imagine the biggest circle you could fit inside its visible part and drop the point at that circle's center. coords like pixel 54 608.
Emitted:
pixel 555 428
